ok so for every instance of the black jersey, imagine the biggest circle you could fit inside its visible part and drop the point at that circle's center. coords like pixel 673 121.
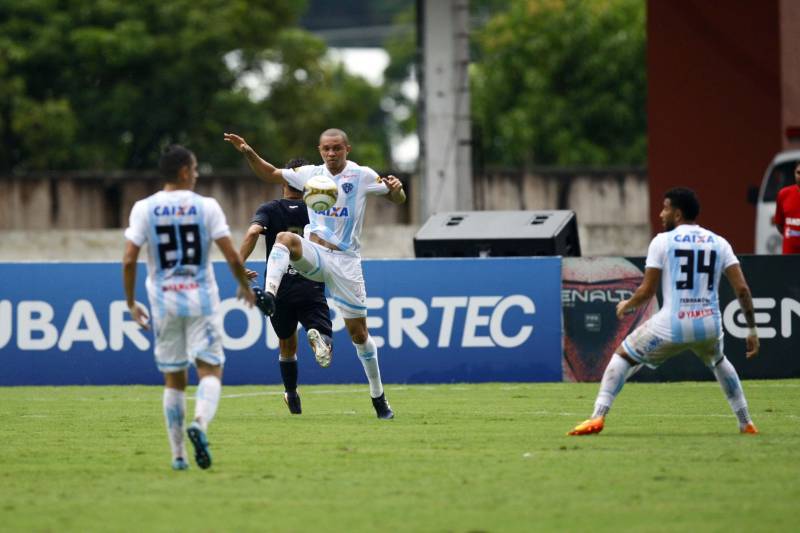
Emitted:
pixel 276 216
pixel 299 299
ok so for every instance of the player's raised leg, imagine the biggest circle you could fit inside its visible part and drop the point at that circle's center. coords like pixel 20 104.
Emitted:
pixel 174 403
pixel 619 368
pixel 288 247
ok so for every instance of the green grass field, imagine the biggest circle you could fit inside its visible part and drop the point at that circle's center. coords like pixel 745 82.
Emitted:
pixel 461 458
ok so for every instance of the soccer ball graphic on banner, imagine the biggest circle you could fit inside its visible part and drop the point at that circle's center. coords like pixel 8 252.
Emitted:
pixel 320 193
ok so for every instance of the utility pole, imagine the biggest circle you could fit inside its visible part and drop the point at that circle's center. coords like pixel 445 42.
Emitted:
pixel 444 107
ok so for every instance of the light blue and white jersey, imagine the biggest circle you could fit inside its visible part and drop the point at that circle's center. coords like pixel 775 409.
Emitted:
pixel 179 228
pixel 341 224
pixel 692 260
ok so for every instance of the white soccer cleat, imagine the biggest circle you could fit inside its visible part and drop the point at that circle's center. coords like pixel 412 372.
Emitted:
pixel 322 351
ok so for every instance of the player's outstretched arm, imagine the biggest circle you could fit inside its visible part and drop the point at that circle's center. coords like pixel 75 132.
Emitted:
pixel 742 290
pixel 264 170
pixel 248 245
pixel 237 268
pixel 396 193
pixel 645 292
pixel 138 312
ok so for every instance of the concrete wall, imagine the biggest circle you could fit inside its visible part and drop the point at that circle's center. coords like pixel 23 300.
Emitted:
pixel 90 201
pixel 611 204
pixel 78 218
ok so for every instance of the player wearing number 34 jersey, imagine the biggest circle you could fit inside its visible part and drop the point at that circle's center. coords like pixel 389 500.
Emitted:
pixel 689 261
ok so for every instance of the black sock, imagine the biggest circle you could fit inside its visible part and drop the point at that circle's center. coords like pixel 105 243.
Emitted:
pixel 289 375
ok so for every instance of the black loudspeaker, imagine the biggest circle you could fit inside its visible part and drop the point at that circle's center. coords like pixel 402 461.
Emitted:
pixel 498 234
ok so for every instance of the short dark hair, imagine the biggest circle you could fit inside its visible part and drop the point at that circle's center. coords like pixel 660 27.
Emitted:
pixel 686 200
pixel 335 132
pixel 294 163
pixel 173 158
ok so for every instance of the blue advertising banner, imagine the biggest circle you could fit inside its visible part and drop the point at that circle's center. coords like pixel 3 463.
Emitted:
pixel 434 321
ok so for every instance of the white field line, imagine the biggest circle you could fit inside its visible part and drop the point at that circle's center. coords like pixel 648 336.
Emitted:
pixel 474 387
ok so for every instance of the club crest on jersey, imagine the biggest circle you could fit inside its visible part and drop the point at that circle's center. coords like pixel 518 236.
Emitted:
pixel 174 210
pixel 337 212
pixel 347 187
pixel 700 239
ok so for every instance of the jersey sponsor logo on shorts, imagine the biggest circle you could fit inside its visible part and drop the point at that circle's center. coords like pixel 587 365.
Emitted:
pixel 653 343
pixel 174 210
pixel 347 187
pixel 338 212
pixel 695 238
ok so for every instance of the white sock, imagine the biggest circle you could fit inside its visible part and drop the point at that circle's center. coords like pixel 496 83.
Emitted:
pixel 208 392
pixel 613 379
pixel 277 264
pixel 368 355
pixel 174 413
pixel 729 381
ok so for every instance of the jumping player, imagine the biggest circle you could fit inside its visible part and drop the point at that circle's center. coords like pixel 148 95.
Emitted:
pixel 688 260
pixel 298 299
pixel 178 226
pixel 329 251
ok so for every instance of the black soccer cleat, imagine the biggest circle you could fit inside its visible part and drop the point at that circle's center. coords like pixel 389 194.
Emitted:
pixel 202 455
pixel 382 408
pixel 265 301
pixel 292 401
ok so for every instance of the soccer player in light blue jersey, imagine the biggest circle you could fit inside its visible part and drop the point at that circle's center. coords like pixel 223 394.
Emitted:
pixel 177 226
pixel 329 251
pixel 688 260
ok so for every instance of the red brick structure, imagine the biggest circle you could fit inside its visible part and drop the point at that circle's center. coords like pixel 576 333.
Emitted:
pixel 723 86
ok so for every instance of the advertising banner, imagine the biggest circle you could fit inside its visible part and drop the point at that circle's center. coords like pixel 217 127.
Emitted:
pixel 593 286
pixel 433 320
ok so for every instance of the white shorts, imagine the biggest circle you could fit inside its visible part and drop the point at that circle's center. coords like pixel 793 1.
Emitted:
pixel 341 273
pixel 645 347
pixel 180 340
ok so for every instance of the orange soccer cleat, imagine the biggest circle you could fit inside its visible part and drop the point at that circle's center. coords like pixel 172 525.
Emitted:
pixel 588 427
pixel 750 428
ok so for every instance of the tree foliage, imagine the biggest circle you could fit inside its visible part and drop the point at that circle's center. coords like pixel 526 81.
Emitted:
pixel 558 82
pixel 104 84
pixel 562 82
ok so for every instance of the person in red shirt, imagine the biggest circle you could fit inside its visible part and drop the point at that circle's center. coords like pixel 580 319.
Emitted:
pixel 787 214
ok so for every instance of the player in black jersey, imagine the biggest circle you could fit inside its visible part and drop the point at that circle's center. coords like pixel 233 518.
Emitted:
pixel 299 299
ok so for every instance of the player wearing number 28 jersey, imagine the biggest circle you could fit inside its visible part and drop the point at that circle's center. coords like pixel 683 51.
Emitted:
pixel 689 261
pixel 177 227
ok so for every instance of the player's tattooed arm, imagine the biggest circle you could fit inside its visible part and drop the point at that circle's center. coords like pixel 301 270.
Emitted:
pixel 742 290
pixel 645 292
pixel 263 169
